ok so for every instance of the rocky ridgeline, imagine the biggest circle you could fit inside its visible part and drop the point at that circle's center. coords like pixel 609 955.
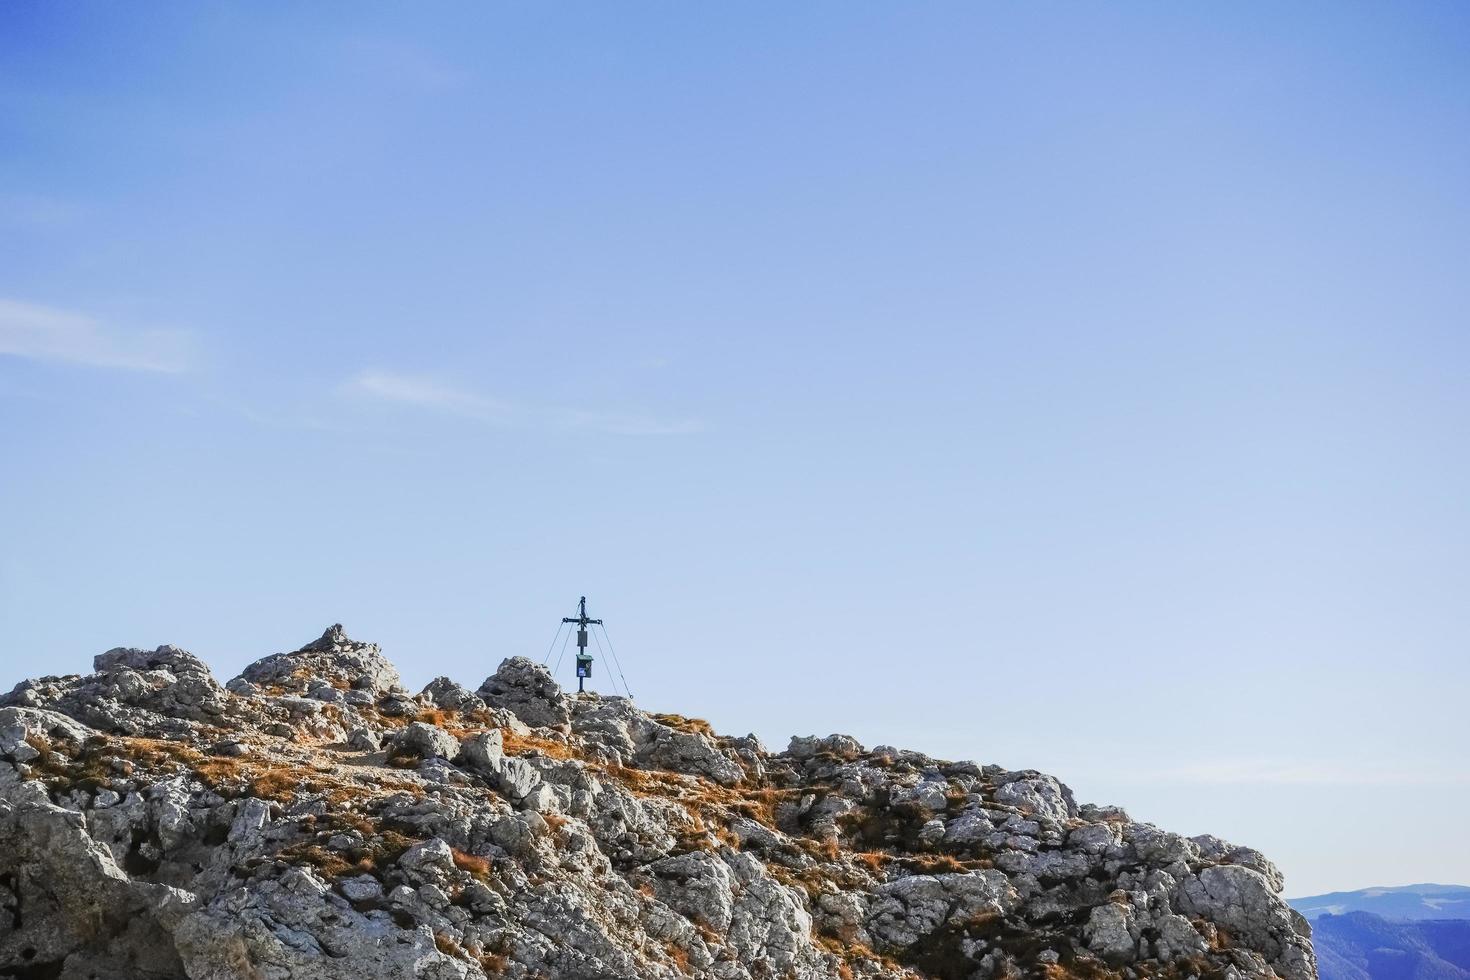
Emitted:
pixel 313 819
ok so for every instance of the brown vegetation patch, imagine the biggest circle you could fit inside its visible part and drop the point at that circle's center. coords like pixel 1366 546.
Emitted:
pixel 494 964
pixel 934 864
pixel 472 864
pixel 826 849
pixel 1079 968
pixel 850 952
pixel 438 717
pixel 523 744
pixel 694 726
pixel 331 865
pixel 649 782
pixel 760 804
pixel 100 759
pixel 679 958
pixel 279 783
pixel 450 946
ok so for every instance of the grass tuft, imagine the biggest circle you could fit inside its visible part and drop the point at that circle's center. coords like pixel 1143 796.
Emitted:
pixel 694 726
pixel 472 864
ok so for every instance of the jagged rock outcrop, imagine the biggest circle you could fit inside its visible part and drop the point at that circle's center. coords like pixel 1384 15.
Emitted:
pixel 527 690
pixel 313 819
pixel 333 662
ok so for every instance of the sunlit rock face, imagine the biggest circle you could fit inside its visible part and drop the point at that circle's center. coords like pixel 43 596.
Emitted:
pixel 312 818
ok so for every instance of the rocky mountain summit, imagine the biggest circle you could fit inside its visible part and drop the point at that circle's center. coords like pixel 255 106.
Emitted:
pixel 313 819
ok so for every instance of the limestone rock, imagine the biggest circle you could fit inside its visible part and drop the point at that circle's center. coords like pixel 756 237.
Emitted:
pixel 446 694
pixel 161 692
pixel 908 909
pixel 841 746
pixel 364 740
pixel 484 751
pixel 693 753
pixel 1244 901
pixel 332 658
pixel 1039 794
pixel 1112 933
pixel 424 741
pixel 527 690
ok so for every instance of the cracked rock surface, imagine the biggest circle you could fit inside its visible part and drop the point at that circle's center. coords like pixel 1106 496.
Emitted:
pixel 313 819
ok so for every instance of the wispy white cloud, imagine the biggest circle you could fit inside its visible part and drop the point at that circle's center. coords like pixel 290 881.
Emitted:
pixel 436 394
pixel 1297 772
pixel 46 333
pixel 431 393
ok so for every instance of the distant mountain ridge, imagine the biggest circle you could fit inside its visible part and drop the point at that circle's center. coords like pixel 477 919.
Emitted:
pixel 1409 902
pixel 1411 932
pixel 1364 946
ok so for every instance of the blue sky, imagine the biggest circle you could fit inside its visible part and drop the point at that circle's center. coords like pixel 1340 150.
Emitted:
pixel 1076 387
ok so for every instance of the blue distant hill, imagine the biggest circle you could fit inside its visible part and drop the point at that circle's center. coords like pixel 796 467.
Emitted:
pixel 1364 946
pixel 1410 902
pixel 1413 932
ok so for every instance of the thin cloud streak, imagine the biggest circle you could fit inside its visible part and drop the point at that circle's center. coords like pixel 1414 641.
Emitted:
pixel 435 394
pixel 45 333
pixel 427 392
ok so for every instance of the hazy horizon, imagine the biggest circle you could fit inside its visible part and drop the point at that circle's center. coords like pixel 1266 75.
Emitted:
pixel 1075 390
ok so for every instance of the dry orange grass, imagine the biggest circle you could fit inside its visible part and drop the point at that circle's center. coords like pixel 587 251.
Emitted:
pixel 760 805
pixel 933 864
pixel 648 782
pixel 63 766
pixel 494 964
pixel 439 717
pixel 697 726
pixel 354 821
pixel 680 959
pixel 849 952
pixel 522 744
pixel 460 724
pixel 40 745
pixel 280 781
pixel 449 946
pixel 329 864
pixel 826 849
pixel 1094 970
pixel 280 784
pixel 472 864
